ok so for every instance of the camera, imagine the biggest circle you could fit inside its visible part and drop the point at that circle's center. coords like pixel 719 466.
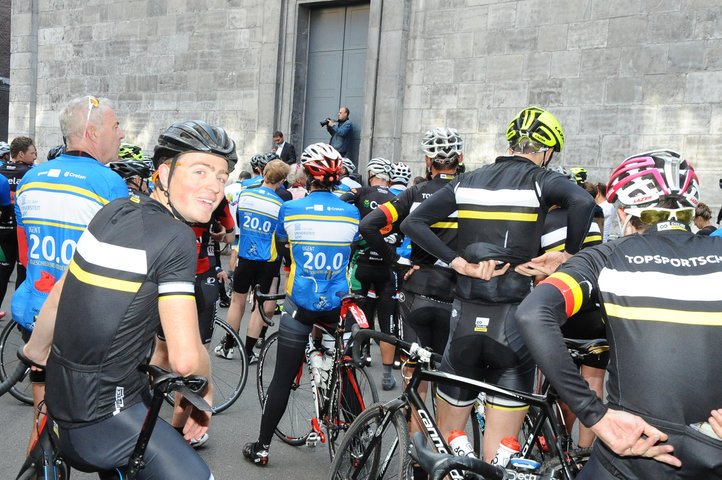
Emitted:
pixel 325 122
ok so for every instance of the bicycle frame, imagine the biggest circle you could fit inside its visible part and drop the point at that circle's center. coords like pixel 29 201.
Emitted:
pixel 411 397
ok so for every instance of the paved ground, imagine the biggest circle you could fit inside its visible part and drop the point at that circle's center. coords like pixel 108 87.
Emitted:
pixel 228 432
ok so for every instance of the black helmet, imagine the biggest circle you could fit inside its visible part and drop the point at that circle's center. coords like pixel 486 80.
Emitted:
pixel 195 136
pixel 56 151
pixel 131 168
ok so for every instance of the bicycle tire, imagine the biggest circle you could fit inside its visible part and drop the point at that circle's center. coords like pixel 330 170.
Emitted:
pixel 388 457
pixel 295 424
pixel 12 378
pixel 10 340
pixel 228 376
pixel 579 457
pixel 350 406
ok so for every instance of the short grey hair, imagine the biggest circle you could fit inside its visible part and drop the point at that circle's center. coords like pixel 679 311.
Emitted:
pixel 73 117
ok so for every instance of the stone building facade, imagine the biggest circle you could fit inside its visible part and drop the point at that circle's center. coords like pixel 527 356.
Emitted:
pixel 622 76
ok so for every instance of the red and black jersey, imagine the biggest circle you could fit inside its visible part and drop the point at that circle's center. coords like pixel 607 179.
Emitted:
pixel 222 215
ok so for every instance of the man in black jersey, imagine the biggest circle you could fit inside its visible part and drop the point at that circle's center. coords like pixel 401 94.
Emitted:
pixel 659 288
pixel 371 272
pixel 22 157
pixel 99 322
pixel 501 209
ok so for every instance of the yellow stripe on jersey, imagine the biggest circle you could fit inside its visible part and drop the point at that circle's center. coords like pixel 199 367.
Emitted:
pixel 445 225
pixel 570 290
pixel 325 218
pixel 103 281
pixel 593 238
pixel 487 215
pixel 172 296
pixel 63 188
pixel 649 314
pixel 53 224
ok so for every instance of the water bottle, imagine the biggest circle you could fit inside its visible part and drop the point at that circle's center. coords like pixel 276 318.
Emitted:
pixel 459 443
pixel 507 448
pixel 315 360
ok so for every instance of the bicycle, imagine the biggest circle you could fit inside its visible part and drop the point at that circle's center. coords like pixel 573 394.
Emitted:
pixel 332 395
pixel 11 339
pixel 376 445
pixel 46 462
pixel 228 376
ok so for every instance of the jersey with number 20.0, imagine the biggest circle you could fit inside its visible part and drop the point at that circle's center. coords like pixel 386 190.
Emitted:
pixel 54 203
pixel 257 211
pixel 320 229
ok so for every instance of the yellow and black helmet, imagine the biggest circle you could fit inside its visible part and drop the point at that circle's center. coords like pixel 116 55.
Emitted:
pixel 537 125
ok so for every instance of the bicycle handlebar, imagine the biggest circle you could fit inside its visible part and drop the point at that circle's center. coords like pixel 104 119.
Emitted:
pixel 415 350
pixel 438 465
pixel 191 387
pixel 260 298
pixel 12 378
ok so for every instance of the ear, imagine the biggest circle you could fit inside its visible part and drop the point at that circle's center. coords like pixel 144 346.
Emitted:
pixel 163 172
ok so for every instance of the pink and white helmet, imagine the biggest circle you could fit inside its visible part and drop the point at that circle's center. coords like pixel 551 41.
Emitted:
pixel 646 178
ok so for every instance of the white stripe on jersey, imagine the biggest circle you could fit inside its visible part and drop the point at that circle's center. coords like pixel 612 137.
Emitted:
pixel 496 198
pixel 111 256
pixel 305 230
pixel 176 287
pixel 554 236
pixel 414 205
pixel 61 207
pixel 259 203
pixel 696 288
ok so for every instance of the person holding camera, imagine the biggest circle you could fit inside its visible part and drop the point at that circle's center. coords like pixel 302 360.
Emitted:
pixel 340 131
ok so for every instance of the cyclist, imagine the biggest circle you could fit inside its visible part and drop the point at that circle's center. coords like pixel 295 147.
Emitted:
pixel 22 156
pixel 320 229
pixel 427 290
pixel 4 152
pixel 662 318
pixel 258 258
pixel 400 178
pixel 132 168
pixel 349 176
pixel 133 269
pixel 55 201
pixel 179 138
pixel 370 270
pixel 56 151
pixel 501 209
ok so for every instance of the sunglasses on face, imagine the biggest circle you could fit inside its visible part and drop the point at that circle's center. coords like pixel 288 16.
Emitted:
pixel 650 216
pixel 529 146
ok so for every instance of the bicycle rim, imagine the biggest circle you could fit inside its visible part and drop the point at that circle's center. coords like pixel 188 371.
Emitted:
pixel 356 392
pixel 375 447
pixel 228 376
pixel 10 340
pixel 295 424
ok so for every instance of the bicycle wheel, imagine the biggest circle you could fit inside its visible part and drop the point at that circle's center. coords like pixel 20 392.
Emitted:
pixel 357 391
pixel 228 376
pixel 579 457
pixel 365 453
pixel 10 340
pixel 295 425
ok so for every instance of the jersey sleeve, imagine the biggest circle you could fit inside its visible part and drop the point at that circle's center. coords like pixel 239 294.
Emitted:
pixel 177 265
pixel 383 220
pixel 223 215
pixel 417 225
pixel 5 199
pixel 540 316
pixel 280 233
pixel 557 190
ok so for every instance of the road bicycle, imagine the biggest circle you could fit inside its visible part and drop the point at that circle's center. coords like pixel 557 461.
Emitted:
pixel 332 392
pixel 11 339
pixel 46 462
pixel 376 445
pixel 228 376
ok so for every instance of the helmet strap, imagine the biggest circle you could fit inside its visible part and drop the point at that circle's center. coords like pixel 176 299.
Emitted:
pixel 175 212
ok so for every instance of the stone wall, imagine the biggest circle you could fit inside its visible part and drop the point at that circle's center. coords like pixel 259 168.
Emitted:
pixel 622 76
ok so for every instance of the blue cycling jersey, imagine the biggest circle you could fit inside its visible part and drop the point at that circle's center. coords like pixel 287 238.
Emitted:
pixel 252 182
pixel 257 216
pixel 5 198
pixel 320 229
pixel 54 202
pixel 340 189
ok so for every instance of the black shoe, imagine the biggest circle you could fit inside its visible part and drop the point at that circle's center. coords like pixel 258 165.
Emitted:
pixel 256 453
pixel 225 302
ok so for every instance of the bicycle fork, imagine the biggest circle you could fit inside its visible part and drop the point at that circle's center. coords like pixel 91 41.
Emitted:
pixel 316 433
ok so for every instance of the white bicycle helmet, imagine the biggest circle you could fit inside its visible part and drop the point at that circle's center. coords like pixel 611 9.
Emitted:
pixel 646 178
pixel 443 145
pixel 322 162
pixel 379 167
pixel 4 148
pixel 401 173
pixel 348 165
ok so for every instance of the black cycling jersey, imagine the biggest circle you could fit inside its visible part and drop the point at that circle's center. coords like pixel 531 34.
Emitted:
pixel 133 254
pixel 14 172
pixel 662 302
pixel 434 279
pixel 501 209
pixel 368 199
